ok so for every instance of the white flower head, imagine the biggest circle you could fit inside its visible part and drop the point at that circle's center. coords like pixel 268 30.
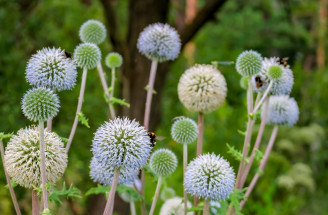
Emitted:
pixel 121 143
pixel 159 42
pixel 22 157
pixel 51 68
pixel 174 206
pixel 283 110
pixel 202 88
pixel 209 177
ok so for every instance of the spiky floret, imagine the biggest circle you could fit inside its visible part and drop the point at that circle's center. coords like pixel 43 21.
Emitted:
pixel 159 42
pixel 92 31
pixel 209 177
pixel 40 104
pixel 249 63
pixel 22 157
pixel 113 60
pixel 174 206
pixel 87 55
pixel 280 86
pixel 282 110
pixel 50 68
pixel 184 130
pixel 121 143
pixel 104 176
pixel 163 162
pixel 202 88
pixel 275 72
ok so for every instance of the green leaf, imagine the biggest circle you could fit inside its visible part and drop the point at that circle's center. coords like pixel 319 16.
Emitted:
pixel 147 88
pixel 242 133
pixel 6 136
pixel 46 212
pixel 98 190
pixel 258 155
pixel 71 192
pixel 106 98
pixel 83 120
pixel 131 192
pixel 109 89
pixel 235 153
pixel 13 184
pixel 236 196
pixel 119 101
pixel 64 139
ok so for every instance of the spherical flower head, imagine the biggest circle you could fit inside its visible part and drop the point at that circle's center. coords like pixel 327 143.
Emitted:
pixel 249 63
pixel 283 110
pixel 174 206
pixel 202 88
pixel 40 104
pixel 184 130
pixel 22 157
pixel 114 60
pixel 275 72
pixel 163 162
pixel 51 68
pixel 87 55
pixel 92 31
pixel 159 42
pixel 104 175
pixel 209 177
pixel 121 143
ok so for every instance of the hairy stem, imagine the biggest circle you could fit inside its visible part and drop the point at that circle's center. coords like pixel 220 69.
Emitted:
pixel 262 165
pixel 199 145
pixel 206 209
pixel 185 162
pixel 11 190
pixel 110 202
pixel 158 187
pixel 132 208
pixel 78 110
pixel 35 203
pixel 43 165
pixel 263 97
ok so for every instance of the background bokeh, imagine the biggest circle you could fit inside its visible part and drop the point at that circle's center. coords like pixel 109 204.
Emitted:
pixel 295 180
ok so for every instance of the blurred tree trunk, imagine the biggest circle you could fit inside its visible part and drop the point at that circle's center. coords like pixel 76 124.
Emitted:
pixel 322 29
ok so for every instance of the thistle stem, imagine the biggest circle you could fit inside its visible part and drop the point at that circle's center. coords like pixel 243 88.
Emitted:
pixel 158 187
pixel 110 202
pixel 206 209
pixel 43 165
pixel 11 190
pixel 263 97
pixel 262 165
pixel 199 145
pixel 78 110
pixel 35 203
pixel 185 161
pixel 49 124
pixel 132 208
pixel 112 83
pixel 105 87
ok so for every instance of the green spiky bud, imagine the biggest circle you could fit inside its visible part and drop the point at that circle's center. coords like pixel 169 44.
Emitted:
pixel 275 72
pixel 92 31
pixel 163 162
pixel 184 130
pixel 249 63
pixel 113 60
pixel 87 55
pixel 40 104
pixel 244 82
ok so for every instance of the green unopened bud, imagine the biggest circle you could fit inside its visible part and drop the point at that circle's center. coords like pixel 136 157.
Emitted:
pixel 275 72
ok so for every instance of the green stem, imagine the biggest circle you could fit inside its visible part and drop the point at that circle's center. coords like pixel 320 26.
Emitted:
pixel 263 97
pixel 158 187
pixel 43 165
pixel 185 162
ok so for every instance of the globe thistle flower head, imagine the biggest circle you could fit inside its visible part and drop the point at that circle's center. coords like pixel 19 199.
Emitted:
pixel 121 143
pixel 174 206
pixel 209 177
pixel 275 72
pixel 22 157
pixel 163 162
pixel 202 88
pixel 51 68
pixel 249 63
pixel 104 175
pixel 283 110
pixel 40 104
pixel 159 42
pixel 92 31
pixel 114 60
pixel 184 130
pixel 87 55
pixel 244 82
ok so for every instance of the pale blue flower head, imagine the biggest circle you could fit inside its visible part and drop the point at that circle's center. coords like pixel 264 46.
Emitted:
pixel 209 177
pixel 159 42
pixel 184 130
pixel 283 110
pixel 51 68
pixel 104 175
pixel 121 143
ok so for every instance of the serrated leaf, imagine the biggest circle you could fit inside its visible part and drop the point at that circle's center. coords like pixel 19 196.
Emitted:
pixel 114 100
pixel 258 155
pixel 98 190
pixel 235 153
pixel 147 88
pixel 235 198
pixel 131 192
pixel 83 120
pixel 6 136
pixel 71 192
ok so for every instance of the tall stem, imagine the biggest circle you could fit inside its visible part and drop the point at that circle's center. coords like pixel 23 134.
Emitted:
pixel 112 83
pixel 105 87
pixel 206 209
pixel 110 202
pixel 11 190
pixel 257 142
pixel 49 124
pixel 262 165
pixel 35 203
pixel 132 208
pixel 185 161
pixel 158 187
pixel 43 165
pixel 199 145
pixel 263 97
pixel 78 110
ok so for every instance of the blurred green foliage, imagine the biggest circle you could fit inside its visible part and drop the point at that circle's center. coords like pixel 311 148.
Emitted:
pixel 294 181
